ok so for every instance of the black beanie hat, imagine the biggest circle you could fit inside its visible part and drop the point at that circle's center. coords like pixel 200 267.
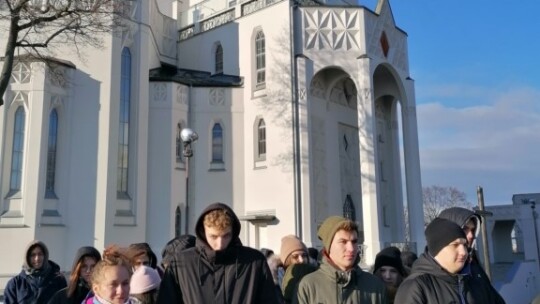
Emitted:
pixel 389 256
pixel 441 232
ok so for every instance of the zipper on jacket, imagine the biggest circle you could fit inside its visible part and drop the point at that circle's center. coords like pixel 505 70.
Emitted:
pixel 460 289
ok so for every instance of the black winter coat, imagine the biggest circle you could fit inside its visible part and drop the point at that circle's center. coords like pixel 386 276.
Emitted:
pixel 234 275
pixel 28 289
pixel 430 283
pixel 81 291
pixel 482 287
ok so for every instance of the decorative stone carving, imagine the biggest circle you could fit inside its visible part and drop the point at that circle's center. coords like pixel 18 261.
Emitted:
pixel 181 94
pixel 57 101
pixel 186 33
pixel 317 88
pixel 218 20
pixel 160 92
pixel 20 97
pixel 217 96
pixel 21 72
pixel 331 28
pixel 57 76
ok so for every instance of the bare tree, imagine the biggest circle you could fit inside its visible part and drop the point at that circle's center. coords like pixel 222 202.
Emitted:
pixel 33 27
pixel 438 198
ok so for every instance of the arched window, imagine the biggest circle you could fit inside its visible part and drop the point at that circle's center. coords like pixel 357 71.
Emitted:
pixel 349 211
pixel 17 151
pixel 260 59
pixel 51 155
pixel 261 140
pixel 219 59
pixel 179 147
pixel 123 130
pixel 217 143
pixel 178 222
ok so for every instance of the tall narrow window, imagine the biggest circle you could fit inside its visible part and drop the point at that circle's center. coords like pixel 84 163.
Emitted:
pixel 260 58
pixel 217 143
pixel 17 151
pixel 261 140
pixel 178 222
pixel 123 130
pixel 51 155
pixel 219 59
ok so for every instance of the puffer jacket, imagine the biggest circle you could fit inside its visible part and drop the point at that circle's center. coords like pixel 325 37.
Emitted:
pixel 430 283
pixel 479 279
pixel 329 285
pixel 236 274
pixel 35 286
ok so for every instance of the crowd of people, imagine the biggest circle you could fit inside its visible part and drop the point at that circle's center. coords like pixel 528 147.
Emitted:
pixel 214 267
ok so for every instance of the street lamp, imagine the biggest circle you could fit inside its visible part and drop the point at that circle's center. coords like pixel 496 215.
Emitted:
pixel 188 137
pixel 532 202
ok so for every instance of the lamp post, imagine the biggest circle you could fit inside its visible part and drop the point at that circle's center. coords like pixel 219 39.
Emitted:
pixel 188 137
pixel 534 216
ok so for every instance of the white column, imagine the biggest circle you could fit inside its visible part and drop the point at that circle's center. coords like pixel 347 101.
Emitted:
pixel 412 168
pixel 368 160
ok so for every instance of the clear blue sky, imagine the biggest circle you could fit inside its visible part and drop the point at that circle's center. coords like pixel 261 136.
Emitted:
pixel 476 66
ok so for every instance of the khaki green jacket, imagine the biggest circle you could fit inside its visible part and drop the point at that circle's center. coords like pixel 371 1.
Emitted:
pixel 329 285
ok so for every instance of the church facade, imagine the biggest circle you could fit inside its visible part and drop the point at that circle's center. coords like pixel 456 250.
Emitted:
pixel 302 110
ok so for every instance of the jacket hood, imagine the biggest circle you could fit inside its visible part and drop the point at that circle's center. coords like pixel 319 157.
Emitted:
pixel 199 227
pixel 175 246
pixel 29 248
pixel 84 252
pixel 139 248
pixel 461 216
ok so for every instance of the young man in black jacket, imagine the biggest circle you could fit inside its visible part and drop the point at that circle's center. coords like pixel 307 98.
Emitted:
pixel 435 276
pixel 470 222
pixel 219 269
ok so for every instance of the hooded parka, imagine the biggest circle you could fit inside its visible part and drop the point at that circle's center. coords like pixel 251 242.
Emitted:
pixel 430 283
pixel 35 286
pixel 237 274
pixel 479 279
pixel 81 288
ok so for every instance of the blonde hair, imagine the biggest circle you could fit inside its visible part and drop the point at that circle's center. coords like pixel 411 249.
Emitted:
pixel 113 256
pixel 218 219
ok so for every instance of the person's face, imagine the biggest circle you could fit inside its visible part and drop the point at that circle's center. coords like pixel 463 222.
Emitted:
pixel 141 260
pixel 218 239
pixel 36 258
pixel 453 256
pixel 298 257
pixel 470 231
pixel 389 275
pixel 113 285
pixel 344 249
pixel 87 266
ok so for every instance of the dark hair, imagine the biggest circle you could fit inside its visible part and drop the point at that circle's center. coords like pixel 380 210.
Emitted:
pixel 138 249
pixel 266 252
pixel 83 252
pixel 313 253
pixel 408 258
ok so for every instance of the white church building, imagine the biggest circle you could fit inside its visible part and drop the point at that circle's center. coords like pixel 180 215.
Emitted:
pixel 302 109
